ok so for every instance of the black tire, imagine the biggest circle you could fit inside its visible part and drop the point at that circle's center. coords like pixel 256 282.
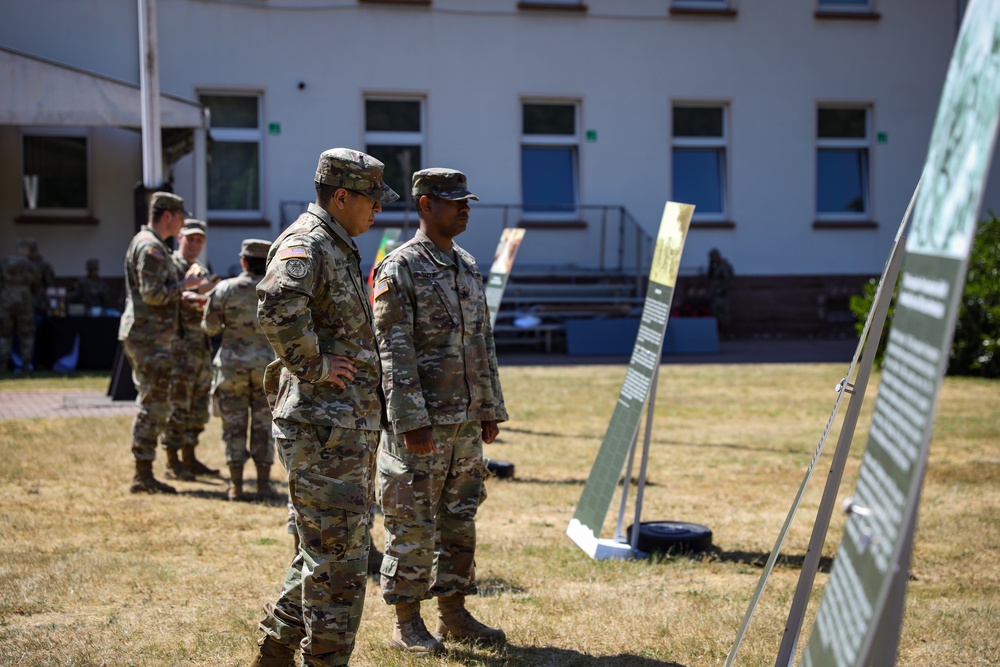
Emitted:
pixel 501 469
pixel 672 537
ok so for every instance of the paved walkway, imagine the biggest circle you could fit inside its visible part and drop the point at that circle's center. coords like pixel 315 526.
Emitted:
pixel 31 404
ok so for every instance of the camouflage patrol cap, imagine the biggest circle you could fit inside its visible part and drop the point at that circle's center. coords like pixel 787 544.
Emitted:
pixel 443 183
pixel 255 248
pixel 93 265
pixel 26 242
pixel 356 171
pixel 192 226
pixel 166 201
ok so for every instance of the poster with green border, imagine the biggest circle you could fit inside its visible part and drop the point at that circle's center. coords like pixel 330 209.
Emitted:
pixel 585 527
pixel 873 551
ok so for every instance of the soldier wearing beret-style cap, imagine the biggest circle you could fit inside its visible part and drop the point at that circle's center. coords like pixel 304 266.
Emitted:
pixel 192 367
pixel 153 288
pixel 326 402
pixel 237 388
pixel 443 400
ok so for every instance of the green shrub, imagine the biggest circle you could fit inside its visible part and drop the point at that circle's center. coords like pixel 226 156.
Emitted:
pixel 975 350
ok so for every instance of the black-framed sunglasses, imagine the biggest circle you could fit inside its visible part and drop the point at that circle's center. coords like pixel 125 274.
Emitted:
pixel 361 194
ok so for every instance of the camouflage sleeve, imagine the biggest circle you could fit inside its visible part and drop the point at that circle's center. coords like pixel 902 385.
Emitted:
pixel 393 311
pixel 283 309
pixel 215 310
pixel 499 408
pixel 156 284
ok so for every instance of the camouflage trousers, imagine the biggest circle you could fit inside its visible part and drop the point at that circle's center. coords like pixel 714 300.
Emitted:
pixel 238 398
pixel 19 314
pixel 190 383
pixel 430 505
pixel 330 472
pixel 151 364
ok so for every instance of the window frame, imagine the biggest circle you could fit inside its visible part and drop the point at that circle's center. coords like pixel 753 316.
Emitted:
pixel 552 141
pixel 396 138
pixel 708 142
pixel 39 212
pixel 240 135
pixel 846 143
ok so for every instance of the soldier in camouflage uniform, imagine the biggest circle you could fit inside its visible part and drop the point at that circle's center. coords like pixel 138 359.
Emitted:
pixel 327 407
pixel 444 400
pixel 192 368
pixel 153 288
pixel 720 280
pixel 19 283
pixel 91 290
pixel 238 383
pixel 47 277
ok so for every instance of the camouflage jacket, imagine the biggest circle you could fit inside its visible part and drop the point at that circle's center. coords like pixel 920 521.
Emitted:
pixel 19 280
pixel 232 311
pixel 191 335
pixel 47 278
pixel 433 328
pixel 90 292
pixel 312 303
pixel 152 291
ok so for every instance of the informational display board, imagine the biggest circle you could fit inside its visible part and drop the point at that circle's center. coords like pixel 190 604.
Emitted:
pixel 585 527
pixel 862 603
pixel 503 260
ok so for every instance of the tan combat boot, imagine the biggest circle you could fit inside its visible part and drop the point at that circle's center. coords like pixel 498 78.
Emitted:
pixel 235 490
pixel 144 482
pixel 457 623
pixel 176 468
pixel 410 634
pixel 273 653
pixel 264 488
pixel 193 465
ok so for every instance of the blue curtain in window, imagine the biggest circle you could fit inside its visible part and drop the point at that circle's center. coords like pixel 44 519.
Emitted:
pixel 548 176
pixel 698 178
pixel 841 181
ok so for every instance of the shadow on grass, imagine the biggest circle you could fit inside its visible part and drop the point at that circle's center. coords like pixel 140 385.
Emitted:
pixel 756 559
pixel 540 656
pixel 249 496
pixel 653 440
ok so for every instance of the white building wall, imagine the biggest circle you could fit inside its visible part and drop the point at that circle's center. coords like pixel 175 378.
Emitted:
pixel 474 62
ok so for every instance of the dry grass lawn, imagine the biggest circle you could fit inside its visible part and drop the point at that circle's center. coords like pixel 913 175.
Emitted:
pixel 91 575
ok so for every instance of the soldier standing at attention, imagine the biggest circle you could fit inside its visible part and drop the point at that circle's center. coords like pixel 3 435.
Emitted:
pixel 19 283
pixel 444 400
pixel 327 407
pixel 148 327
pixel 192 367
pixel 238 385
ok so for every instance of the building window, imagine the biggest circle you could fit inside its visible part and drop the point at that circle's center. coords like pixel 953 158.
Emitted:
pixel 701 5
pixel 549 150
pixel 699 159
pixel 55 170
pixel 842 173
pixel 394 134
pixel 552 5
pixel 234 156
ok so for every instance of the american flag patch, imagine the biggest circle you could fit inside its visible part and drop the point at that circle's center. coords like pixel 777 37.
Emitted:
pixel 288 253
pixel 155 252
pixel 381 287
